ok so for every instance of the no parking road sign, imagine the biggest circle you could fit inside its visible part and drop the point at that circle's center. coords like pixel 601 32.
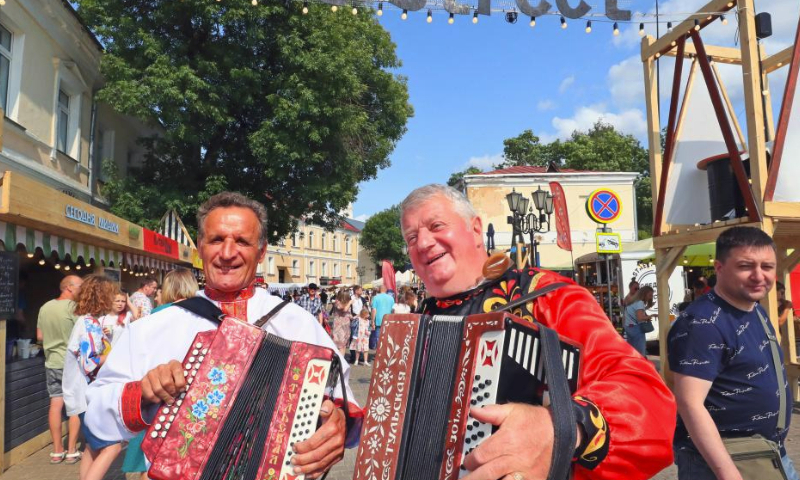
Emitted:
pixel 604 206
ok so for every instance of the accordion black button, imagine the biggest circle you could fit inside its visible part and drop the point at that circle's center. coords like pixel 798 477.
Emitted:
pixel 306 431
pixel 480 434
pixel 473 402
pixel 475 389
pixel 468 441
pixel 477 378
pixel 469 427
pixel 488 382
pixel 474 437
pixel 481 386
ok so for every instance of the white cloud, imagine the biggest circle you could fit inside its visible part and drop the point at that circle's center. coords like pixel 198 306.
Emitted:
pixel 546 105
pixel 486 162
pixel 626 83
pixel 566 83
pixel 629 121
pixel 362 218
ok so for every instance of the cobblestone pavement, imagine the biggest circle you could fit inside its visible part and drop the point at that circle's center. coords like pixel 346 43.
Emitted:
pixel 36 467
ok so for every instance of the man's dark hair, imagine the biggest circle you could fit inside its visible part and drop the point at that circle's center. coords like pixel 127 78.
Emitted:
pixel 698 284
pixel 738 237
pixel 145 281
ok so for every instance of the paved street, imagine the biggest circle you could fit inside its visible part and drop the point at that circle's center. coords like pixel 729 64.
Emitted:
pixel 37 468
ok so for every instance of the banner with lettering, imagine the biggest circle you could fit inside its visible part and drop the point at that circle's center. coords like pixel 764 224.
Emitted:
pixel 157 243
pixel 563 235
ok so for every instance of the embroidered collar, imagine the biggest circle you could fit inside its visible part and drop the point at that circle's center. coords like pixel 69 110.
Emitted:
pixel 219 296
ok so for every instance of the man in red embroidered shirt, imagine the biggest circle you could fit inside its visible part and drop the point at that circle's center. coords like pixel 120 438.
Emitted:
pixel 625 413
pixel 144 367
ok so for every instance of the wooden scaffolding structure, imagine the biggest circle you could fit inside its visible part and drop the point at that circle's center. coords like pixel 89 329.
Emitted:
pixel 779 219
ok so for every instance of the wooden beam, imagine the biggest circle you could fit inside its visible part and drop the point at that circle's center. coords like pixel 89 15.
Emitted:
pixel 670 260
pixel 779 60
pixel 751 80
pixel 788 263
pixel 782 209
pixel 728 55
pixel 670 39
pixel 18 454
pixel 700 234
pixel 653 122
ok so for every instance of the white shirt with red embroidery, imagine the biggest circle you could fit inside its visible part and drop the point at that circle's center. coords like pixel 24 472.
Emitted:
pixel 167 335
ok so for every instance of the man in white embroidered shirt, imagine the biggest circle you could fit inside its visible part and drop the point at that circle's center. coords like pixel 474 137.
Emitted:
pixel 144 367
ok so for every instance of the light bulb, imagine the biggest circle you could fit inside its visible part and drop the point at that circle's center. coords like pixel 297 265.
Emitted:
pixel 404 15
pixel 77 267
pixel 430 17
pixel 451 19
pixel 2 3
pixel 669 26
pixel 616 29
pixel 58 267
pixel 641 29
pixel 533 22
pixel 475 17
pixel 334 8
pixel 66 267
pixel 254 3
pixel 563 23
pixel 42 262
pixel 724 20
pixel 380 9
pixel 697 24
pixel 305 8
pixel 355 11
pixel 589 26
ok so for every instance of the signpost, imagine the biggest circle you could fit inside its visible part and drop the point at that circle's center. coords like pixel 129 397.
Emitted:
pixel 604 206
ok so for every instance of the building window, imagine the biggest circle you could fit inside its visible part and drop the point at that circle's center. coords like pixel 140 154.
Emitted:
pixel 5 65
pixel 294 239
pixel 347 245
pixel 295 268
pixel 323 238
pixel 324 269
pixel 335 243
pixel 63 122
pixel 335 269
pixel 349 274
pixel 271 266
pixel 310 239
pixel 311 269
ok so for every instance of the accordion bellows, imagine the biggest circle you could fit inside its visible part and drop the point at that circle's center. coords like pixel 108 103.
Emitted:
pixel 429 371
pixel 251 396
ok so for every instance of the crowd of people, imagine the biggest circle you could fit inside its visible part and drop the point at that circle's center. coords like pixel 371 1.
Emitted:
pixel 109 367
pixel 79 329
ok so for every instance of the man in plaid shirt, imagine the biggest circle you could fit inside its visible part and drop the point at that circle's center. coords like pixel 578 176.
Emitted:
pixel 311 302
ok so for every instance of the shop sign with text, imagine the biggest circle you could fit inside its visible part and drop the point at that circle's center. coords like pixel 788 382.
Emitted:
pixel 157 243
pixel 80 215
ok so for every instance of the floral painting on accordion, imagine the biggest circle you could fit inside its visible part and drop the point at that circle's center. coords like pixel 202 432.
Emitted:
pixel 206 398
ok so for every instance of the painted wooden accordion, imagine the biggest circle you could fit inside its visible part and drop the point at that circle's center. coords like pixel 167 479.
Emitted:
pixel 251 396
pixel 429 371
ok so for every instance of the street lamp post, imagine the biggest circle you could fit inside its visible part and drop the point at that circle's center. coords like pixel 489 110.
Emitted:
pixel 524 220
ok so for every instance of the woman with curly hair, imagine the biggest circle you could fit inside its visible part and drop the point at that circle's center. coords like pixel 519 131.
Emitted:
pixel 87 350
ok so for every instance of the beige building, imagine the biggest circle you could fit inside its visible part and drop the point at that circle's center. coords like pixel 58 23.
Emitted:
pixel 313 254
pixel 487 192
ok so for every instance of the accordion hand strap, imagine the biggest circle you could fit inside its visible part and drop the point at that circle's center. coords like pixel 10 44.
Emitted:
pixel 564 422
pixel 531 296
pixel 202 308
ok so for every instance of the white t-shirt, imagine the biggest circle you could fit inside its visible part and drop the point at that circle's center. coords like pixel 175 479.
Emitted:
pixel 401 308
pixel 112 327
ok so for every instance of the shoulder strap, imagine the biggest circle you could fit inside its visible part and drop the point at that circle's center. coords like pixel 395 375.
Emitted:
pixel 202 308
pixel 564 422
pixel 531 296
pixel 778 367
pixel 266 318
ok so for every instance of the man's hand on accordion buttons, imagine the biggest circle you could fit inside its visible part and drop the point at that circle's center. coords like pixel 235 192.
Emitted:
pixel 520 449
pixel 163 383
pixel 326 447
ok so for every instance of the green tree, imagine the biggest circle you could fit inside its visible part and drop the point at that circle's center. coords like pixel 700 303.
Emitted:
pixel 289 108
pixel 456 177
pixel 382 238
pixel 527 149
pixel 601 148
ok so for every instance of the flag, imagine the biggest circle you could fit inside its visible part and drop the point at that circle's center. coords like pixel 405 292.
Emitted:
pixel 563 236
pixel 388 276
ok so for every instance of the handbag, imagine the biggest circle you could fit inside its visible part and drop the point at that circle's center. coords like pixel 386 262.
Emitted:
pixel 646 327
pixel 755 457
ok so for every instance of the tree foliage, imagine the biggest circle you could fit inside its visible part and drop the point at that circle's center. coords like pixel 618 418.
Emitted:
pixel 289 108
pixel 601 148
pixel 382 238
pixel 456 177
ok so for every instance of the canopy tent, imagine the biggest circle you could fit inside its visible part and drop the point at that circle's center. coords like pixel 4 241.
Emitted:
pixel 284 288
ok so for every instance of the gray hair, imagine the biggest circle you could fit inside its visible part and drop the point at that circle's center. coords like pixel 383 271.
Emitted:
pixel 423 194
pixel 233 199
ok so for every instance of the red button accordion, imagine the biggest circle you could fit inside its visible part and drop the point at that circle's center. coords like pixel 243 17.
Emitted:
pixel 251 396
pixel 429 371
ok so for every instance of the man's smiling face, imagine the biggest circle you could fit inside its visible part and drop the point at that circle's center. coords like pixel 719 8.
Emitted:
pixel 445 248
pixel 229 248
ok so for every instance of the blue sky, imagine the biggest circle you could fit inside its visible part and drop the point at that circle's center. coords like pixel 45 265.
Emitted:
pixel 473 85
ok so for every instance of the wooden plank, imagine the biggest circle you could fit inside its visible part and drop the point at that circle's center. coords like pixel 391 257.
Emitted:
pixel 653 123
pixel 751 78
pixel 782 209
pixel 670 260
pixel 700 234
pixel 670 39
pixel 779 60
pixel 727 55
pixel 20 453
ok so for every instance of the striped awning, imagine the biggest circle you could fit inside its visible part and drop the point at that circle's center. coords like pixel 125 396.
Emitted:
pixel 14 235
